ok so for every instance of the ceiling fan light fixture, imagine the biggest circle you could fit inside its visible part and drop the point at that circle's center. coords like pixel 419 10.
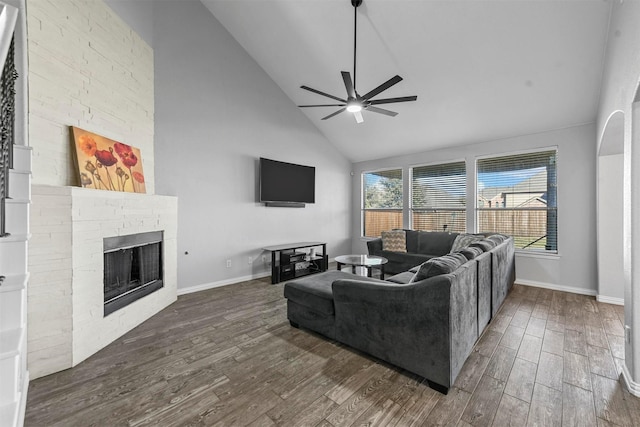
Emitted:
pixel 354 107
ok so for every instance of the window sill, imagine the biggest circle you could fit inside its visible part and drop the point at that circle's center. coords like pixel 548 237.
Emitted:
pixel 540 255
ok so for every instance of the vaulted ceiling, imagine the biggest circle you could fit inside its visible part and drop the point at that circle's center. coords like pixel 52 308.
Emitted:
pixel 482 70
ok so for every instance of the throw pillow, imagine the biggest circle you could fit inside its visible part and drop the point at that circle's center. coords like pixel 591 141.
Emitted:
pixel 464 240
pixel 471 252
pixel 498 238
pixel 437 266
pixel 394 241
pixel 485 244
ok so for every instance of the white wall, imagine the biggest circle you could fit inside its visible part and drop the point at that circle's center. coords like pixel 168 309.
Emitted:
pixel 87 68
pixel 573 269
pixel 610 229
pixel 619 86
pixel 217 112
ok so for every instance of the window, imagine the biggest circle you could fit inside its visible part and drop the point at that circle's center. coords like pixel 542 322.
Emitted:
pixel 438 197
pixel 382 201
pixel 517 195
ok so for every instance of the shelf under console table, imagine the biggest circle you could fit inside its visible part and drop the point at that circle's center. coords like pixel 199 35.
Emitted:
pixel 289 261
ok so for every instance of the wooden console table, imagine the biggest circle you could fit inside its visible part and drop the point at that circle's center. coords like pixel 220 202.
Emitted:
pixel 288 263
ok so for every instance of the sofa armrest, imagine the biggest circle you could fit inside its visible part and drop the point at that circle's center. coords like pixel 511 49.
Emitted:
pixel 407 325
pixel 374 246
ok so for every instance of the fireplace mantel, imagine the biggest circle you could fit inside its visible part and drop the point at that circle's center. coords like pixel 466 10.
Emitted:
pixel 68 225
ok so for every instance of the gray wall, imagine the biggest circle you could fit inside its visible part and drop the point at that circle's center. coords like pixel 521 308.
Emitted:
pixel 137 14
pixel 574 268
pixel 216 113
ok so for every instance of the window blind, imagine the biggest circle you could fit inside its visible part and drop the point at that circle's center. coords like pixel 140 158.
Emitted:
pixel 382 201
pixel 438 197
pixel 517 195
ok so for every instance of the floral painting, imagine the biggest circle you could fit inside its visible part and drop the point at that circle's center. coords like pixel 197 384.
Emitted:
pixel 105 164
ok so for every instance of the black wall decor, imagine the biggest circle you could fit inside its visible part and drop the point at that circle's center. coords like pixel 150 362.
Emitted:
pixel 7 123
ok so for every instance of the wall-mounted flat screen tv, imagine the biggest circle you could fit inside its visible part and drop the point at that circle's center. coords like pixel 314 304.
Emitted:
pixel 282 183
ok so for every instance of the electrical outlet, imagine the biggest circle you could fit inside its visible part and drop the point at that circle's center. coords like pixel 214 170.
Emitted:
pixel 627 334
pixel 228 263
pixel 250 260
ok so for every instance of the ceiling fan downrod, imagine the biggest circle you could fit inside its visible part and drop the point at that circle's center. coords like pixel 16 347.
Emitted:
pixel 355 4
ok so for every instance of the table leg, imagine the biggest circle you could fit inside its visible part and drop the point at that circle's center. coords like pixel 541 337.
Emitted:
pixel 368 271
pixel 382 272
pixel 353 269
pixel 339 266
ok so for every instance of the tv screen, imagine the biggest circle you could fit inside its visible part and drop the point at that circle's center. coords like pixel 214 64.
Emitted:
pixel 286 182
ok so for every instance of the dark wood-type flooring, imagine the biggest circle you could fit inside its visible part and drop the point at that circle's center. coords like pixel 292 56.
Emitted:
pixel 228 356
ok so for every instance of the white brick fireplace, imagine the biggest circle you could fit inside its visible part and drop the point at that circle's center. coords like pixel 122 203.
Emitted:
pixel 68 225
pixel 89 69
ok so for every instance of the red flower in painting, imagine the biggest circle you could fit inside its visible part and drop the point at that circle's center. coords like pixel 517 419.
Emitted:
pixel 138 177
pixel 125 152
pixel 106 157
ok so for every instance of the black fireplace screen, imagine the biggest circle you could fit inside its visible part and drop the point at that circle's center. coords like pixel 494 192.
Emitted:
pixel 132 268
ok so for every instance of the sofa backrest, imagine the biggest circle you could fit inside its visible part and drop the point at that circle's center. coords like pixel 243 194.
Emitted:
pixel 431 242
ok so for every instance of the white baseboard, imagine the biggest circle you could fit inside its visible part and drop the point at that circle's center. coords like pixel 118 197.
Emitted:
pixel 205 286
pixel 632 386
pixel 555 287
pixel 225 282
pixel 610 300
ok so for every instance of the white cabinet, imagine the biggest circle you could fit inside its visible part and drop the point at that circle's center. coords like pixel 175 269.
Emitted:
pixel 13 293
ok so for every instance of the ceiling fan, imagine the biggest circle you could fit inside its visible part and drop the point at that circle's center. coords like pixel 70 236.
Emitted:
pixel 356 103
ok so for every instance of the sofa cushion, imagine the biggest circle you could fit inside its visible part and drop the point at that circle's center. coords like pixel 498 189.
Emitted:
pixel 315 290
pixel 402 278
pixel 471 252
pixel 435 242
pixel 394 241
pixel 439 265
pixel 485 244
pixel 412 241
pixel 400 261
pixel 463 240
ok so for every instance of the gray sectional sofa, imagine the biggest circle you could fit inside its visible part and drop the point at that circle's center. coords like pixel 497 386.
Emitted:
pixel 428 326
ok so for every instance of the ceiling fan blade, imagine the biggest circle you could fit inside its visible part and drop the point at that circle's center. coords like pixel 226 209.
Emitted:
pixel 323 94
pixel 384 86
pixel 390 100
pixel 334 114
pixel 382 111
pixel 322 105
pixel 358 116
pixel 348 84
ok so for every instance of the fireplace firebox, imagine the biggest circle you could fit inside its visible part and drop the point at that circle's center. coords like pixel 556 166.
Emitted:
pixel 132 268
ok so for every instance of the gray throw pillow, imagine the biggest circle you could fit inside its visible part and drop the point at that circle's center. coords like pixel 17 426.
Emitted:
pixel 498 238
pixel 439 265
pixel 471 252
pixel 464 240
pixel 486 245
